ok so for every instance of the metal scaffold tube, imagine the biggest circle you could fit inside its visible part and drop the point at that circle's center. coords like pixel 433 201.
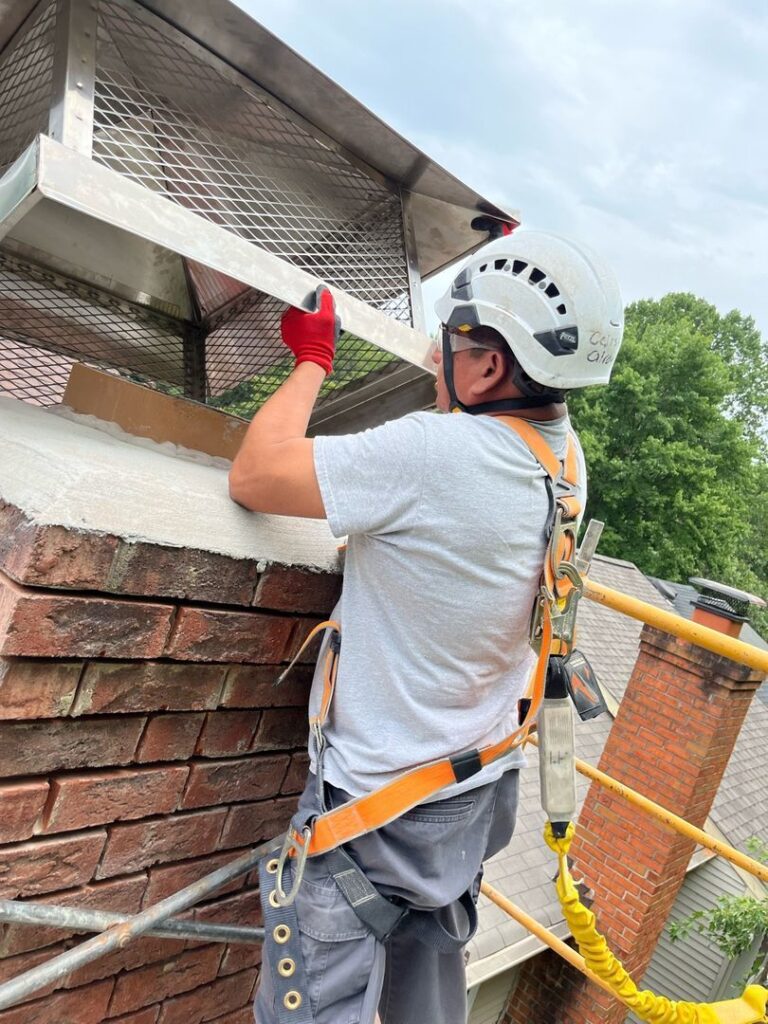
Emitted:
pixel 670 819
pixel 119 935
pixel 694 632
pixel 84 920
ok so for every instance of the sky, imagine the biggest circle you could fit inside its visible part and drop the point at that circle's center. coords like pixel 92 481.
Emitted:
pixel 639 128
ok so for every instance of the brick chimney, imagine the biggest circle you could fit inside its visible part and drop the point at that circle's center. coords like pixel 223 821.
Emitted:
pixel 142 742
pixel 671 740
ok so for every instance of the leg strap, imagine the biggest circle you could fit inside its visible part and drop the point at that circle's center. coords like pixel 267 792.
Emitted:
pixel 381 915
pixel 447 928
pixel 282 949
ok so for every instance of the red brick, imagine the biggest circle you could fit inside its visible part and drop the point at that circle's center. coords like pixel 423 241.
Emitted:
pixel 227 732
pixel 183 573
pixel 170 737
pixel 242 909
pixel 96 798
pixel 282 728
pixel 254 823
pixel 205 1004
pixel 239 957
pixel 20 807
pixel 296 777
pixel 28 748
pixel 253 686
pixel 146 1016
pixel 12 966
pixel 138 953
pixel 163 881
pixel 292 589
pixel 47 864
pixel 303 628
pixel 79 1006
pixel 203 634
pixel 122 896
pixel 132 847
pixel 41 624
pixel 244 1016
pixel 52 556
pixel 223 782
pixel 118 686
pixel 159 981
pixel 35 688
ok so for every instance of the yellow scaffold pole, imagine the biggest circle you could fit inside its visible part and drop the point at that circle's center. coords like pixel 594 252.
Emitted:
pixel 544 934
pixel 702 636
pixel 669 819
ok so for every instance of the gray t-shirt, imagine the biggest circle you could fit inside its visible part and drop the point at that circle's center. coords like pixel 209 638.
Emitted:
pixel 445 517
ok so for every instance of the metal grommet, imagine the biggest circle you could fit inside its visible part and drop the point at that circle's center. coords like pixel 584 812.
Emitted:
pixel 292 1000
pixel 286 967
pixel 281 934
pixel 273 899
pixel 271 867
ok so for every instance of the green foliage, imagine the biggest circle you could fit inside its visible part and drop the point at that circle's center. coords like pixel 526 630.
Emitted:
pixel 676 445
pixel 354 360
pixel 734 923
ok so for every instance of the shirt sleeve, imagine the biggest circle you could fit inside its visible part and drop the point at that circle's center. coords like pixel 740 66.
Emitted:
pixel 371 482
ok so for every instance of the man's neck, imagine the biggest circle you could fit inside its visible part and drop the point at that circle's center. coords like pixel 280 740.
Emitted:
pixel 542 413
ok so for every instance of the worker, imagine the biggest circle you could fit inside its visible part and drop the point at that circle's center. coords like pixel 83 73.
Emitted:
pixel 446 519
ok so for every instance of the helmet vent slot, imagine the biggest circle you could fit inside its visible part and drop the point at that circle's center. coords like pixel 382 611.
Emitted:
pixel 500 264
pixel 518 266
pixel 552 290
pixel 483 269
pixel 536 275
pixel 561 309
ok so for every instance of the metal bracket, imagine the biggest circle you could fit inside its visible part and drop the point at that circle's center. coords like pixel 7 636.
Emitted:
pixel 74 75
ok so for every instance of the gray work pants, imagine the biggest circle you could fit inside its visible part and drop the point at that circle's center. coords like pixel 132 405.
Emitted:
pixel 428 858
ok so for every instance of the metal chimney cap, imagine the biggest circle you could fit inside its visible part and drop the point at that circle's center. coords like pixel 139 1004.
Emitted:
pixel 723 600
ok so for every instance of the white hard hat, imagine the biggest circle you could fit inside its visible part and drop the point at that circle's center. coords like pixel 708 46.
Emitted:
pixel 555 303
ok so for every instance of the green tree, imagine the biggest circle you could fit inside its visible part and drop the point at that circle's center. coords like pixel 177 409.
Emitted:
pixel 734 923
pixel 676 445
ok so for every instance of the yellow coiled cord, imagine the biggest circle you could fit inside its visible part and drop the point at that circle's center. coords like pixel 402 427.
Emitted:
pixel 749 1009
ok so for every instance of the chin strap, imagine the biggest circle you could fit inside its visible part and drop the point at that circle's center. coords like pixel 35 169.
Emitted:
pixel 500 405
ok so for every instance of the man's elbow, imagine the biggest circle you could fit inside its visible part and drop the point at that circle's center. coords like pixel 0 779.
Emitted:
pixel 243 490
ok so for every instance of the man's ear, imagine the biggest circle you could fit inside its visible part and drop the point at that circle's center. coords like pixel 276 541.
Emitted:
pixel 493 373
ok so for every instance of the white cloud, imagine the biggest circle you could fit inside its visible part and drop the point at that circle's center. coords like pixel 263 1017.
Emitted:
pixel 637 127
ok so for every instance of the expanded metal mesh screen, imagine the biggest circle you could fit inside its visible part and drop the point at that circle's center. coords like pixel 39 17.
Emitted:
pixel 47 322
pixel 25 85
pixel 172 118
pixel 169 119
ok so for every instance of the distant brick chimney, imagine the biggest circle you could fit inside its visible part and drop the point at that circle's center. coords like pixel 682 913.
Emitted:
pixel 671 740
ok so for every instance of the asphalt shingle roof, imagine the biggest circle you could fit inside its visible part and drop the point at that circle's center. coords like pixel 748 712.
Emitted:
pixel 525 870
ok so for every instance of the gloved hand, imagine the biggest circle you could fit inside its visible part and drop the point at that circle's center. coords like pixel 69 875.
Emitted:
pixel 312 336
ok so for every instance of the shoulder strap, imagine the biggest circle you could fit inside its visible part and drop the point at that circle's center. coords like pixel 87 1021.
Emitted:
pixel 538 446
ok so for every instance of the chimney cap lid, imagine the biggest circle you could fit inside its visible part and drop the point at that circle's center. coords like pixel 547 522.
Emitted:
pixel 709 588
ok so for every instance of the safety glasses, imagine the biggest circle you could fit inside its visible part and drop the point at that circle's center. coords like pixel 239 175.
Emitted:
pixel 459 343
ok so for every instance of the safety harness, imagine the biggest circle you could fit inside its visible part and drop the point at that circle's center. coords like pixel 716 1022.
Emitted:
pixel 551 633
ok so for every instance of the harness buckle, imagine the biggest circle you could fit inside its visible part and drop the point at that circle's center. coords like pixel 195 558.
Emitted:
pixel 292 845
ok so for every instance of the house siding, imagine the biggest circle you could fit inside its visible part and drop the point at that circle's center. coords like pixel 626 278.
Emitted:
pixel 693 969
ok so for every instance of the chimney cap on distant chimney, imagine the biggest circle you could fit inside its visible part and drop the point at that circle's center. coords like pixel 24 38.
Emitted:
pixel 720 599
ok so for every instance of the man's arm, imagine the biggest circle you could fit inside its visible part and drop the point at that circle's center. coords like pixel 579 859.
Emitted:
pixel 274 471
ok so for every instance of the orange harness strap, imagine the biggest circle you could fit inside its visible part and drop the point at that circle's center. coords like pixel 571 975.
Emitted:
pixel 376 809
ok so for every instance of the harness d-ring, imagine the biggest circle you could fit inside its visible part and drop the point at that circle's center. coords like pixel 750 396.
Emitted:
pixel 282 898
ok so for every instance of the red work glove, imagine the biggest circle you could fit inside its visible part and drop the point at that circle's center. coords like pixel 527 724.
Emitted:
pixel 312 336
